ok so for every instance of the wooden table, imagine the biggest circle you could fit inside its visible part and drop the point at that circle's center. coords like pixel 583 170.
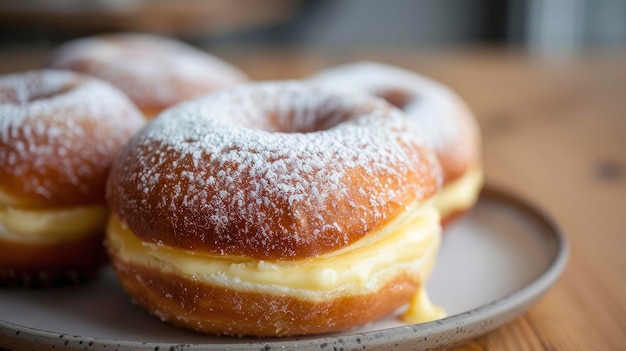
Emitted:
pixel 554 132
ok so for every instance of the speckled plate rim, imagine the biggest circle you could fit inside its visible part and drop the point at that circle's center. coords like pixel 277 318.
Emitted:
pixel 438 334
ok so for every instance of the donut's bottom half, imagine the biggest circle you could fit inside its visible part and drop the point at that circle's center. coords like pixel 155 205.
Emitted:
pixel 41 247
pixel 40 265
pixel 336 291
pixel 214 309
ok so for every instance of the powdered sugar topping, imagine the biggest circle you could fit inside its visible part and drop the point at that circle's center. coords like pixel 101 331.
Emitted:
pixel 59 129
pixel 431 105
pixel 270 165
pixel 155 72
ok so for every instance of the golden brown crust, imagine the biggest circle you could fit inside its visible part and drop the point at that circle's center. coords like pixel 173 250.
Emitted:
pixel 60 191
pixel 221 310
pixel 452 217
pixel 151 113
pixel 196 183
pixel 152 223
pixel 60 134
pixel 464 153
pixel 44 264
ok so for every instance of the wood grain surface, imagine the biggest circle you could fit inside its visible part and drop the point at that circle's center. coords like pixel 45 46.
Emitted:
pixel 554 132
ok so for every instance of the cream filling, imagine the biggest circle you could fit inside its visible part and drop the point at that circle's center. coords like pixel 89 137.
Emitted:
pixel 460 194
pixel 409 243
pixel 421 310
pixel 50 225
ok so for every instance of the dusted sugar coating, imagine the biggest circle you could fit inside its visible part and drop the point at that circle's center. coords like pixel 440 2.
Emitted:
pixel 271 171
pixel 155 72
pixel 447 123
pixel 59 134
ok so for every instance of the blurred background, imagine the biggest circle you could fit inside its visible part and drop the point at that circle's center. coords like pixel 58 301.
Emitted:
pixel 551 28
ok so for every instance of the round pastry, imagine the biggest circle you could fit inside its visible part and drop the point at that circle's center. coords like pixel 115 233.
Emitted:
pixel 447 124
pixel 155 72
pixel 59 133
pixel 275 209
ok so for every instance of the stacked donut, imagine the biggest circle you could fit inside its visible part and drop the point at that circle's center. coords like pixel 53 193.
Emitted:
pixel 445 120
pixel 266 209
pixel 275 209
pixel 61 130
pixel 59 134
pixel 286 208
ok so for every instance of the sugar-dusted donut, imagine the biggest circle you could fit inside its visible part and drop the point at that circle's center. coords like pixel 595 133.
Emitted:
pixel 59 133
pixel 446 122
pixel 274 209
pixel 155 72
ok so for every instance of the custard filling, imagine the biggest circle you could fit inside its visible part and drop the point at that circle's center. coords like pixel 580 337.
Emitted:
pixel 460 194
pixel 50 225
pixel 412 240
pixel 421 310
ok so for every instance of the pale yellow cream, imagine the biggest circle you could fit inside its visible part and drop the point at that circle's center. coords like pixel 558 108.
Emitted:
pixel 411 241
pixel 402 242
pixel 460 194
pixel 50 225
pixel 421 310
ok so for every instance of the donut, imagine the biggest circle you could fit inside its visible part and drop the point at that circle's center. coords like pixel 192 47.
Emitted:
pixel 446 123
pixel 59 133
pixel 155 72
pixel 274 209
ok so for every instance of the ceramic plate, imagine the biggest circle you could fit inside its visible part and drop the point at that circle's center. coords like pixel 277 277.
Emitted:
pixel 494 263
